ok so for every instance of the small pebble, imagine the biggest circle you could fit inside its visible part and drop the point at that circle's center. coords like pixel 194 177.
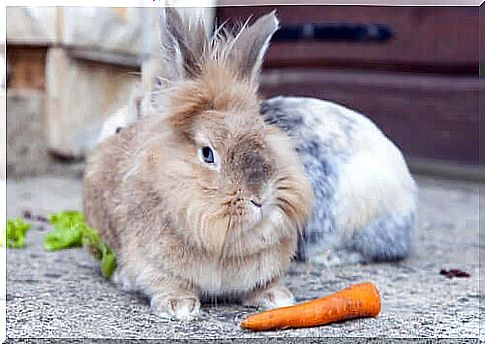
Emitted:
pixel 41 218
pixel 27 214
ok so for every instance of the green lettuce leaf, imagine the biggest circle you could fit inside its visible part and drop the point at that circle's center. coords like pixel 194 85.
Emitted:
pixel 70 230
pixel 108 262
pixel 66 232
pixel 14 237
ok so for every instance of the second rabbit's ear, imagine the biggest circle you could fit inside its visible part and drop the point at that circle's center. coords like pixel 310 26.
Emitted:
pixel 251 44
pixel 183 37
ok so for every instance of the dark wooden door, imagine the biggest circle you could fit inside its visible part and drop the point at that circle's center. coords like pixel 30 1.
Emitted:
pixel 418 80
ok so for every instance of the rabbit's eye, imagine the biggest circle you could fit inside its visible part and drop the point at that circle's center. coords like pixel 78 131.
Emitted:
pixel 207 155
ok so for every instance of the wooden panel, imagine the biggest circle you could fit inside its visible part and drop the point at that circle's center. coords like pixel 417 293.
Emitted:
pixel 26 145
pixel 482 88
pixel 80 96
pixel 425 38
pixel 26 66
pixel 427 116
pixel 34 25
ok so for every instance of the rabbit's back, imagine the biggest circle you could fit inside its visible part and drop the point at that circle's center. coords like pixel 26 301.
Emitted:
pixel 364 195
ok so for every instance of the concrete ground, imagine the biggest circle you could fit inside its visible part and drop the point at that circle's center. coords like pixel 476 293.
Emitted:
pixel 62 294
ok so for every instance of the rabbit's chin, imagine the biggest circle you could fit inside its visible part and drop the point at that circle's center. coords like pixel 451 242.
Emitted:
pixel 254 218
pixel 256 214
pixel 254 230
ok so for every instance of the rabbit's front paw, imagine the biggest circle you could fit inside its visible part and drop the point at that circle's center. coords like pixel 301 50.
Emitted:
pixel 271 297
pixel 121 278
pixel 183 308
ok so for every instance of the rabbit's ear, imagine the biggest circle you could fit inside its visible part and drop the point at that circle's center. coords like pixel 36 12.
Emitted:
pixel 251 44
pixel 183 37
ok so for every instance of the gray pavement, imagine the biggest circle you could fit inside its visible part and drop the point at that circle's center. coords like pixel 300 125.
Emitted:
pixel 62 294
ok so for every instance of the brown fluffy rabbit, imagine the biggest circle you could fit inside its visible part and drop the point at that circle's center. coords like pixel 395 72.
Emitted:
pixel 204 199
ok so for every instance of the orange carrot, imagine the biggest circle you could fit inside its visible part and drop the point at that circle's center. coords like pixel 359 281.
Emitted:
pixel 356 301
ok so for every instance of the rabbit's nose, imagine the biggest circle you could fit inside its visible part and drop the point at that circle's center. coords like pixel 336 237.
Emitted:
pixel 257 202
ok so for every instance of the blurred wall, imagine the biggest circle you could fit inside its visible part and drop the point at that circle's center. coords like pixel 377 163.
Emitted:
pixel 69 69
pixel 3 157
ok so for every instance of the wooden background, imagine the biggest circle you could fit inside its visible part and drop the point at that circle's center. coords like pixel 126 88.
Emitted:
pixel 76 66
pixel 421 87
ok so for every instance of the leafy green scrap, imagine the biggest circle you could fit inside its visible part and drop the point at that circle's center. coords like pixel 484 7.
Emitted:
pixel 70 230
pixel 14 236
pixel 67 231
